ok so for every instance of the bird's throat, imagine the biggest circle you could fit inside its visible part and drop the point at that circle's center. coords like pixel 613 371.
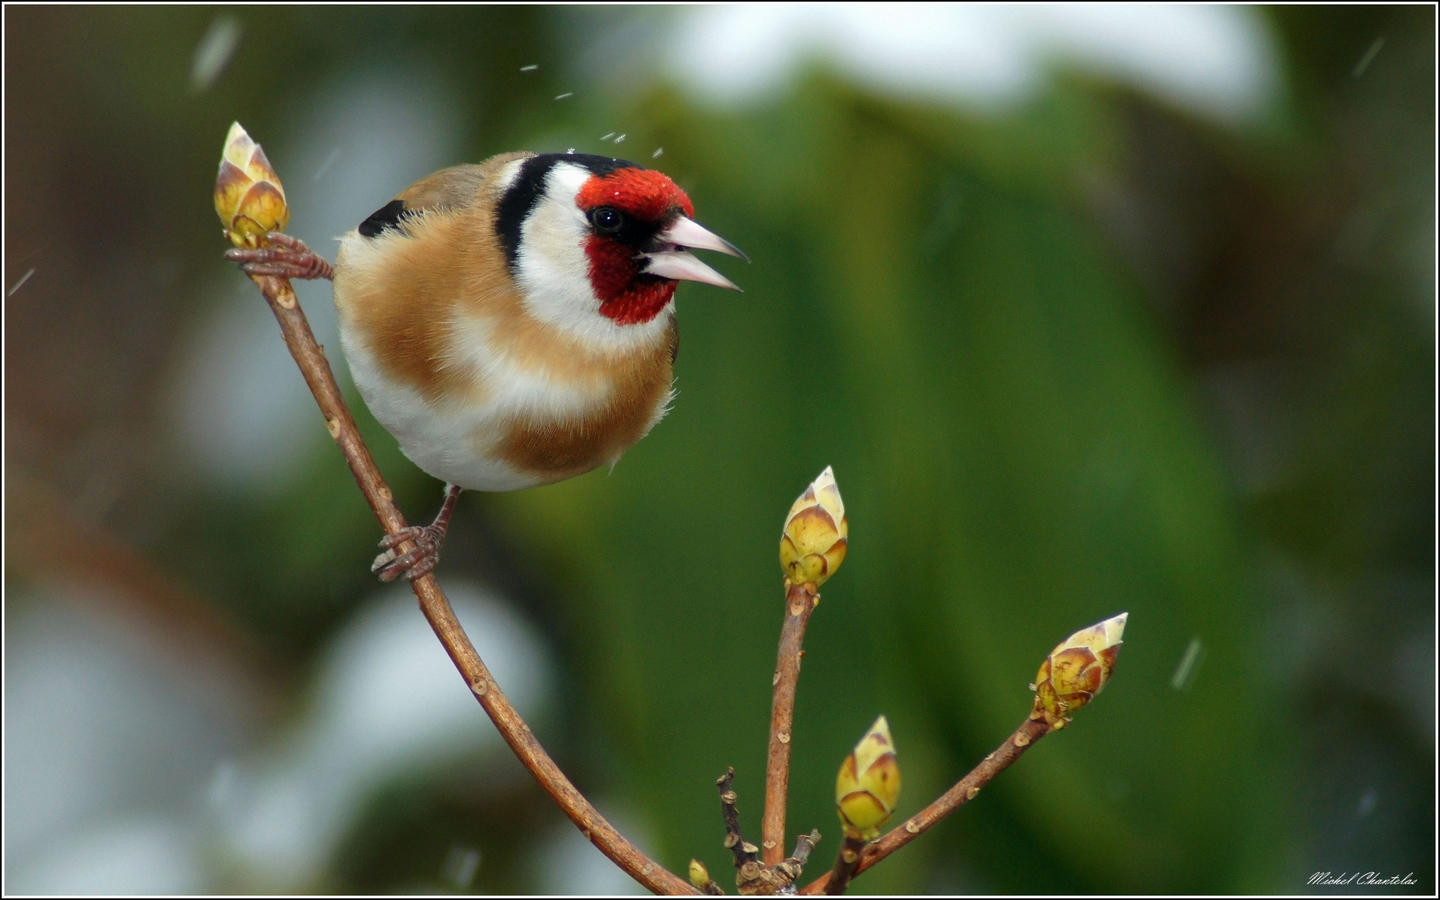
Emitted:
pixel 640 304
pixel 626 296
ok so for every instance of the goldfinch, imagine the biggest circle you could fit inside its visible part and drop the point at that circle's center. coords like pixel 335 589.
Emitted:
pixel 511 323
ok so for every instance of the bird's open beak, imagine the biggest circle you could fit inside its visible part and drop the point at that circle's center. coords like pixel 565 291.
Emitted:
pixel 676 262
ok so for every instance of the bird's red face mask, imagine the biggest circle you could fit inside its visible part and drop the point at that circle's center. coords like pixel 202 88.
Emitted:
pixel 641 229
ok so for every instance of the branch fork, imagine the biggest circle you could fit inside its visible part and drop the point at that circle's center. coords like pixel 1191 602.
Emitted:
pixel 252 207
pixel 752 875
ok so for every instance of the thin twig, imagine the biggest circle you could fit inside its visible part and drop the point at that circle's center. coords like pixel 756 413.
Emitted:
pixel 433 603
pixel 846 861
pixel 751 875
pixel 745 852
pixel 804 844
pixel 963 792
pixel 790 868
pixel 749 871
pixel 800 601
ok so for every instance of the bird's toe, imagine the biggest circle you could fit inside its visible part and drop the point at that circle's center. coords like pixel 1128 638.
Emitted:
pixel 417 562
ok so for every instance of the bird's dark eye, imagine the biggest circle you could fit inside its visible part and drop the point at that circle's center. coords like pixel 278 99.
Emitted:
pixel 606 219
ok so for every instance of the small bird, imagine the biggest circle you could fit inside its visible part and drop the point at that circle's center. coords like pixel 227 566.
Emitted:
pixel 511 323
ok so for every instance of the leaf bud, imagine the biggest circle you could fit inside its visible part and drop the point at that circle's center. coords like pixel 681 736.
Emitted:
pixel 248 195
pixel 868 786
pixel 1076 670
pixel 699 875
pixel 816 533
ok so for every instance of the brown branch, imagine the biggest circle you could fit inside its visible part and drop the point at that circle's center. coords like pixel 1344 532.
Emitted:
pixel 804 844
pixel 436 608
pixel 964 791
pixel 745 852
pixel 839 877
pixel 800 602
pixel 790 869
pixel 751 875
pixel 749 871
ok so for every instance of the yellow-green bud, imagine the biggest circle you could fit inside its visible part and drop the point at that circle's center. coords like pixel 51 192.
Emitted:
pixel 248 194
pixel 816 533
pixel 1075 671
pixel 868 787
pixel 699 875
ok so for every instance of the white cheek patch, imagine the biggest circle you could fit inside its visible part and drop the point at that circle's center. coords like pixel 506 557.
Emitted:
pixel 553 271
pixel 551 265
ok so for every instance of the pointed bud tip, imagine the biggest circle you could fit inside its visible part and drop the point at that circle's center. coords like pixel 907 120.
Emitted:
pixel 875 744
pixel 1115 627
pixel 881 726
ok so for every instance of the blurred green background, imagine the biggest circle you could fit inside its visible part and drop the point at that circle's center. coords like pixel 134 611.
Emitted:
pixel 1090 311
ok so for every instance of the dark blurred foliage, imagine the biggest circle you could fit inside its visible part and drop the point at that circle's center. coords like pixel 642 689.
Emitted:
pixel 1093 355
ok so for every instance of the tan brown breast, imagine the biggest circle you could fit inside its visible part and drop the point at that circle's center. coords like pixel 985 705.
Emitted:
pixel 557 449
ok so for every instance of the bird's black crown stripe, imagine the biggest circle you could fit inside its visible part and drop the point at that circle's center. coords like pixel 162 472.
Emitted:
pixel 387 216
pixel 600 165
pixel 524 192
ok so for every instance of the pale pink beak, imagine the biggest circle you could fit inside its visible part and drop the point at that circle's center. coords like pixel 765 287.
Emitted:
pixel 677 263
